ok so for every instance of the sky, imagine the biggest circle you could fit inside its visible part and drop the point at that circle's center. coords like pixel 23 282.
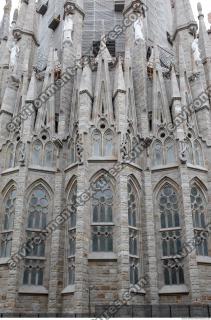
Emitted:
pixel 206 4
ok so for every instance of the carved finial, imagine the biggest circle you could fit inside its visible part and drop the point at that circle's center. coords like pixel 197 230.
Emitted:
pixel 199 7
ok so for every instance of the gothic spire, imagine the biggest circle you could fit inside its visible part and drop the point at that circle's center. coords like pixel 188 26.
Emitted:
pixel 26 21
pixel 6 19
pixel 119 97
pixel 85 99
pixel 204 43
pixel 102 97
pixel 183 15
pixel 175 93
pixel 119 81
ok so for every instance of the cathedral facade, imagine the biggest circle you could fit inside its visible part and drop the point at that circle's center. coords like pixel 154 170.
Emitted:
pixel 105 148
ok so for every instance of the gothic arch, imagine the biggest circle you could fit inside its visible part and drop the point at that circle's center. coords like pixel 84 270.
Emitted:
pixel 136 184
pixel 40 183
pixel 70 185
pixel 200 184
pixel 101 173
pixel 8 187
pixel 165 180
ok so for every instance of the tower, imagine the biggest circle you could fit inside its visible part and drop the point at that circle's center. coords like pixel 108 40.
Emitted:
pixel 105 147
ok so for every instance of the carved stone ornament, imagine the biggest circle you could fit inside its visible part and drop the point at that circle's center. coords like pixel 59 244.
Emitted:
pixel 194 76
pixel 22 154
pixel 69 8
pixel 79 148
pixel 17 35
pixel 183 152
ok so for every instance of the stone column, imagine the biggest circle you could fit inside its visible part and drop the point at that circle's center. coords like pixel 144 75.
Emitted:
pixel 150 236
pixel 15 274
pixel 56 254
pixel 122 233
pixel 190 260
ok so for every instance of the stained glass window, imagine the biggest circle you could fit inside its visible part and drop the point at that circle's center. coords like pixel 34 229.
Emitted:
pixel 8 223
pixel 102 217
pixel 49 155
pixel 170 151
pixel 170 233
pixel 198 153
pixel 38 209
pixel 10 156
pixel 158 154
pixel 108 143
pixel 133 233
pixel 199 208
pixel 37 153
pixel 72 201
pixel 97 143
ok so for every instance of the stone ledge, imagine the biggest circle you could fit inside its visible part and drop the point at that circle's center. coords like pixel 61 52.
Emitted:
pixel 10 170
pixel 139 291
pixel 68 289
pixel 102 159
pixel 43 169
pixel 174 289
pixel 102 256
pixel 165 167
pixel 195 167
pixel 33 290
pixel 203 260
pixel 4 260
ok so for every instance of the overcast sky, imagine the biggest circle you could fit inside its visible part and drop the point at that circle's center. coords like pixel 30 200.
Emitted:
pixel 206 4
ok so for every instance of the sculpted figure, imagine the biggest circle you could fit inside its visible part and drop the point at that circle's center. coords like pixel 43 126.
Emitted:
pixel 68 28
pixel 196 52
pixel 13 55
pixel 138 26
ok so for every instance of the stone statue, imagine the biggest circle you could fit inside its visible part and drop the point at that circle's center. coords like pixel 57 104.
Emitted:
pixel 68 28
pixel 196 52
pixel 22 154
pixel 138 26
pixel 13 55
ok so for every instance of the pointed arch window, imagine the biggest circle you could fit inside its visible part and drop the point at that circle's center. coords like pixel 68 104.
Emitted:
pixel 108 143
pixel 198 153
pixel 18 153
pixel 102 216
pixel 102 142
pixel 199 209
pixel 37 153
pixel 97 143
pixel 38 210
pixel 7 223
pixel 133 233
pixel 170 151
pixel 49 155
pixel 71 246
pixel 189 152
pixel 170 233
pixel 158 153
pixel 10 156
pixel 43 152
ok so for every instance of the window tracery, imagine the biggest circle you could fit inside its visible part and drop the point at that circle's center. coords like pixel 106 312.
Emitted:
pixel 37 216
pixel 102 141
pixel 43 153
pixel 7 223
pixel 102 217
pixel 133 233
pixel 199 209
pixel 163 151
pixel 71 245
pixel 170 234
